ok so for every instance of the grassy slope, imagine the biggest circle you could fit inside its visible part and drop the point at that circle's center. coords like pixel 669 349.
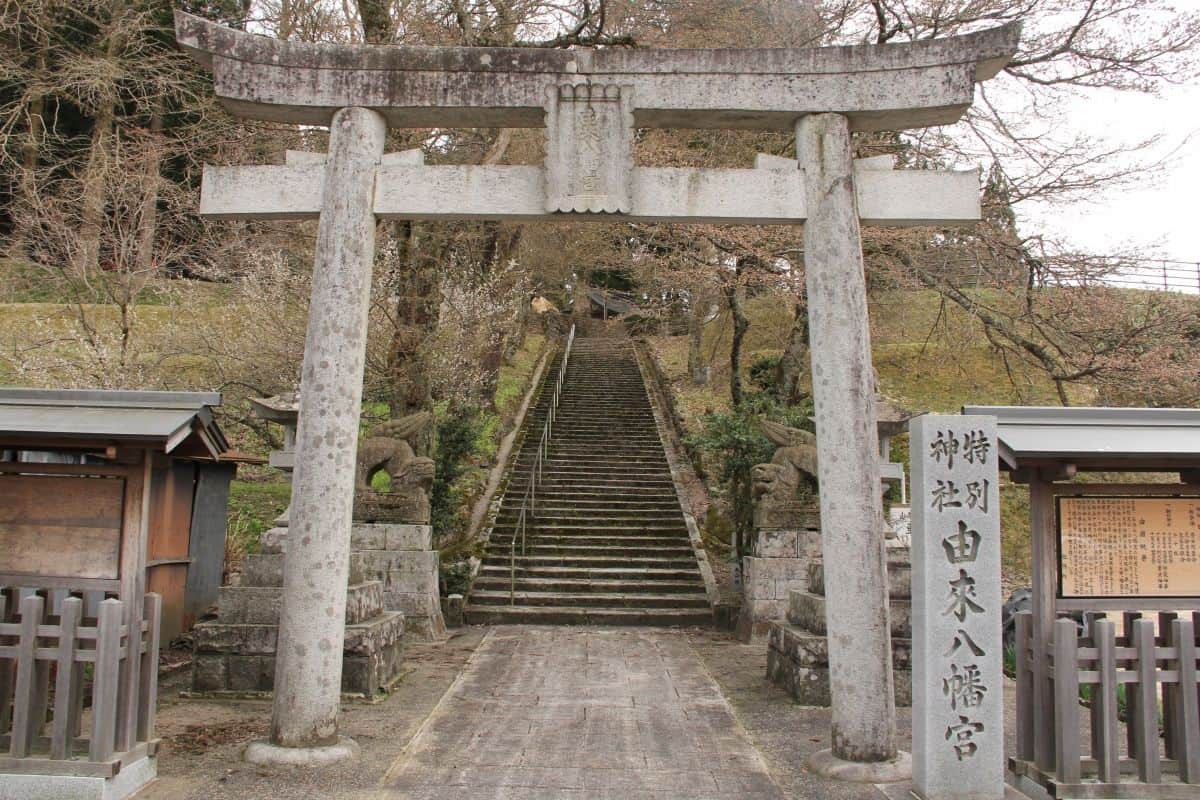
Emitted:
pixel 927 357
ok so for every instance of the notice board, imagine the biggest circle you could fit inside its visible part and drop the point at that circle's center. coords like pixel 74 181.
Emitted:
pixel 59 526
pixel 1129 546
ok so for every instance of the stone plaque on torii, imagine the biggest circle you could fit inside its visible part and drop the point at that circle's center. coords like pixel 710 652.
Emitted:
pixel 590 102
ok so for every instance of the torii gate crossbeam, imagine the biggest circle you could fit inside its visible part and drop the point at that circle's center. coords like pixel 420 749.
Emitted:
pixel 590 102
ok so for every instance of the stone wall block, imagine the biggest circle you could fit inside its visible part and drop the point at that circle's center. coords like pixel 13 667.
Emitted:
pixel 251 605
pixel 262 569
pixel 383 631
pixel 217 637
pixel 209 672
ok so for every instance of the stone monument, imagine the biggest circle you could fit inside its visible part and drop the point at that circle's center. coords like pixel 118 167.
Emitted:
pixel 820 94
pixel 958 683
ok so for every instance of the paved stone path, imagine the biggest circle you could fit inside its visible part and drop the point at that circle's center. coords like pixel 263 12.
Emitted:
pixel 596 713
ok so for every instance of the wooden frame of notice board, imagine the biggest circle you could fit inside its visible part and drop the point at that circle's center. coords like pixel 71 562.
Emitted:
pixel 1128 546
pixel 86 510
pixel 1065 600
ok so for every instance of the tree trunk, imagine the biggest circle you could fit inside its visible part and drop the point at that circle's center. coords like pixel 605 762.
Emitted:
pixel 418 300
pixel 501 246
pixel 741 323
pixel 25 207
pixel 795 356
pixel 91 206
pixel 95 173
pixel 696 366
pixel 148 219
pixel 521 326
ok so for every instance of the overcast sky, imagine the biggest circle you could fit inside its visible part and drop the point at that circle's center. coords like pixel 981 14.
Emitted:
pixel 1162 212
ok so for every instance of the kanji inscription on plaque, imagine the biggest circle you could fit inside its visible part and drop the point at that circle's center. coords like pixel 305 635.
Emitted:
pixel 1129 546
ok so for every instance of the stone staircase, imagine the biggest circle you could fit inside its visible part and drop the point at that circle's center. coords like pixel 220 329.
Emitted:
pixel 610 545
pixel 798 654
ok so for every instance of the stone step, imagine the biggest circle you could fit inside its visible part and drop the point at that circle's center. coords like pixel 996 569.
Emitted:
pixel 656 462
pixel 535 549
pixel 607 528
pixel 808 683
pixel 899 577
pixel 593 506
pixel 590 599
pixel 266 569
pixel 259 605
pixel 611 467
pixel 810 649
pixel 807 611
pixel 548 516
pixel 614 483
pixel 681 561
pixel 496 582
pixel 244 639
pixel 540 539
pixel 551 615
pixel 233 660
pixel 561 572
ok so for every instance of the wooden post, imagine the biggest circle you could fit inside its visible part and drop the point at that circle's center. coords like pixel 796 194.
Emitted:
pixel 129 690
pixel 1104 703
pixel 148 694
pixel 104 681
pixel 1044 581
pixel 7 598
pixel 1066 702
pixel 62 734
pixel 1143 715
pixel 26 719
pixel 1025 731
pixel 1170 700
pixel 1188 720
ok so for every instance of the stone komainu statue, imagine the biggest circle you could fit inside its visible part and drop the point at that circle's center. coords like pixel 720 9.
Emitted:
pixel 389 449
pixel 784 490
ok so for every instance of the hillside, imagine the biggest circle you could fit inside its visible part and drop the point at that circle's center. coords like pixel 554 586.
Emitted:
pixel 928 357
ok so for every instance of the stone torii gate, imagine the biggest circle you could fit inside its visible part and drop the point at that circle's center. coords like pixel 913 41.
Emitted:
pixel 590 102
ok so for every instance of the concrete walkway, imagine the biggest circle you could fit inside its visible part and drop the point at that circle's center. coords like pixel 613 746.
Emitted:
pixel 597 713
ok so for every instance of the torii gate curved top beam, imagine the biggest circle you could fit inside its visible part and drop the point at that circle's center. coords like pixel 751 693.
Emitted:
pixel 877 87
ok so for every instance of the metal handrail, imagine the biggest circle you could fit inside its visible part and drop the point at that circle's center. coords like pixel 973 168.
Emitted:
pixel 529 500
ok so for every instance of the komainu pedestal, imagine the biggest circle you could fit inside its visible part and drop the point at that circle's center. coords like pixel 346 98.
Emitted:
pixel 235 654
pixel 778 566
pixel 788 525
pixel 798 651
pixel 400 556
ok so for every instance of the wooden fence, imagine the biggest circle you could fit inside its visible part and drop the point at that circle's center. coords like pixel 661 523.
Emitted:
pixel 46 689
pixel 1132 681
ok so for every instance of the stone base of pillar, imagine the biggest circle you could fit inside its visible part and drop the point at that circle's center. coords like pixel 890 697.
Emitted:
pixel 797 648
pixel 778 566
pixel 402 558
pixel 234 656
pixel 266 754
pixel 826 764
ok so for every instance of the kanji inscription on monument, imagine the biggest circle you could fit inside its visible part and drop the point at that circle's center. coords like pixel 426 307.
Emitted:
pixel 589 155
pixel 1129 546
pixel 958 732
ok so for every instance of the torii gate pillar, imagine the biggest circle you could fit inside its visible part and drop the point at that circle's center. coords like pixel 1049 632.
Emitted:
pixel 308 674
pixel 860 658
